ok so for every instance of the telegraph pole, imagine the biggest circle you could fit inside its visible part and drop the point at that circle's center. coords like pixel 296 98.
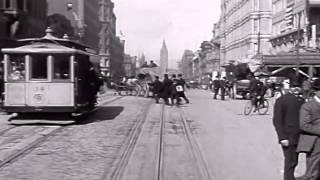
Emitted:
pixel 259 34
pixel 298 46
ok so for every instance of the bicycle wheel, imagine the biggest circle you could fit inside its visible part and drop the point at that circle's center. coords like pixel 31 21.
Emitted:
pixel 263 108
pixel 248 108
pixel 134 92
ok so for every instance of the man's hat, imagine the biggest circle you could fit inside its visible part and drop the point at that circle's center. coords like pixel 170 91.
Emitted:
pixel 316 85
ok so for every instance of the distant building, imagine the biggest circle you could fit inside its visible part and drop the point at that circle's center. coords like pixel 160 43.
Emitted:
pixel 164 58
pixel 142 60
pixel 186 66
pixel 130 65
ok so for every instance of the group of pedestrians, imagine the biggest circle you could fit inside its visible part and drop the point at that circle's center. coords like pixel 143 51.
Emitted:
pixel 221 85
pixel 171 90
pixel 297 124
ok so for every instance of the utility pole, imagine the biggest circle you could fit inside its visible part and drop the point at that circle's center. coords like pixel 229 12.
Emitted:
pixel 259 34
pixel 298 46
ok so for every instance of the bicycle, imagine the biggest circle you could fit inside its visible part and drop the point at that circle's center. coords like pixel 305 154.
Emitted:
pixel 262 107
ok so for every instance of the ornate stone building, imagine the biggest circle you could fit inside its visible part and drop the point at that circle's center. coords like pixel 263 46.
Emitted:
pixel 22 19
pixel 295 39
pixel 95 22
pixel 245 28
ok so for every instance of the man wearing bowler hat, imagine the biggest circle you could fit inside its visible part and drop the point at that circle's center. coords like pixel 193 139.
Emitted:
pixel 309 141
pixel 286 123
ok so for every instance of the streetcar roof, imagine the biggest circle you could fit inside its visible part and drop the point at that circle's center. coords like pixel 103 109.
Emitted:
pixel 41 47
pixel 50 44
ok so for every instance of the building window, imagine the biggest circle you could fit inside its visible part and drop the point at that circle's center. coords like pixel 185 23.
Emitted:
pixel 7 4
pixel 255 25
pixel 21 5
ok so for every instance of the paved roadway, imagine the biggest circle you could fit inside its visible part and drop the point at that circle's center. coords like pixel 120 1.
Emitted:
pixel 235 147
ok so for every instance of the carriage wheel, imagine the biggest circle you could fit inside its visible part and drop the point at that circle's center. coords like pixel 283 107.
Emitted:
pixel 248 108
pixel 122 93
pixel 134 92
pixel 263 108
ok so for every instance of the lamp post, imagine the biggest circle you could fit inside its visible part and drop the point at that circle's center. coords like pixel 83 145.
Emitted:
pixel 79 23
pixel 259 34
pixel 298 46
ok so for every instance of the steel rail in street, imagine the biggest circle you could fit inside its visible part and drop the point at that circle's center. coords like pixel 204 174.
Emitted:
pixel 119 170
pixel 34 141
pixel 196 151
pixel 159 169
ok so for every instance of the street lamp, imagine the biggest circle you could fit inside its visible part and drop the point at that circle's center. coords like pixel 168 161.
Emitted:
pixel 79 24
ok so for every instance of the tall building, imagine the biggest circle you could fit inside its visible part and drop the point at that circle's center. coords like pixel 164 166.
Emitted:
pixel 83 16
pixel 95 22
pixel 291 17
pixel 245 28
pixel 164 58
pixel 22 18
pixel 295 39
pixel 186 66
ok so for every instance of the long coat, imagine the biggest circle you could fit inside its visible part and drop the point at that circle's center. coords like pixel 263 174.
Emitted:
pixel 310 124
pixel 286 117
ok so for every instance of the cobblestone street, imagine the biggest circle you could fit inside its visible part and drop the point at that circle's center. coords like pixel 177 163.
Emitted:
pixel 207 139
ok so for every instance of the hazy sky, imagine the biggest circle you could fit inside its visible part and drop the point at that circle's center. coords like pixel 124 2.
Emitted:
pixel 183 24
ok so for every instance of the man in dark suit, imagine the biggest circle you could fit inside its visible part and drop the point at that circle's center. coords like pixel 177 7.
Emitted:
pixel 309 141
pixel 286 123
pixel 216 87
pixel 166 88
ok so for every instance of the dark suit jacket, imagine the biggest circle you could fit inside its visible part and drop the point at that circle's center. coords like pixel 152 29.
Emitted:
pixel 286 117
pixel 310 124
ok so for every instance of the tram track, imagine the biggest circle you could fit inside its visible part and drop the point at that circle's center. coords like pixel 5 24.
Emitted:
pixel 139 162
pixel 190 147
pixel 195 148
pixel 11 153
pixel 119 170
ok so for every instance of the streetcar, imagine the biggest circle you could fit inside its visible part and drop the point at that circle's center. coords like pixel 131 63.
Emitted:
pixel 50 75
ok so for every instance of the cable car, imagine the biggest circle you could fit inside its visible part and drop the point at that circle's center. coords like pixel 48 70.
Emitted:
pixel 50 75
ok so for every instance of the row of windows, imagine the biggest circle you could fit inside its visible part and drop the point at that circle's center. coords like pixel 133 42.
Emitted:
pixel 39 66
pixel 14 4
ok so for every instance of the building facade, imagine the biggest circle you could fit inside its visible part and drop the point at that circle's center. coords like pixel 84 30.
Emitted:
pixel 83 16
pixel 164 58
pixel 186 64
pixel 130 65
pixel 22 18
pixel 293 20
pixel 94 22
pixel 295 39
pixel 245 28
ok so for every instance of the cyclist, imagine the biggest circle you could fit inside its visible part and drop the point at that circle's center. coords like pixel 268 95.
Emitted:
pixel 257 92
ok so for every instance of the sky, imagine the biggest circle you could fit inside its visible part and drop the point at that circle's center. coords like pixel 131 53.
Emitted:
pixel 183 24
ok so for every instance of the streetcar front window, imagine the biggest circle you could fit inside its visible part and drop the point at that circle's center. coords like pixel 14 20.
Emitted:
pixel 16 68
pixel 39 67
pixel 61 67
